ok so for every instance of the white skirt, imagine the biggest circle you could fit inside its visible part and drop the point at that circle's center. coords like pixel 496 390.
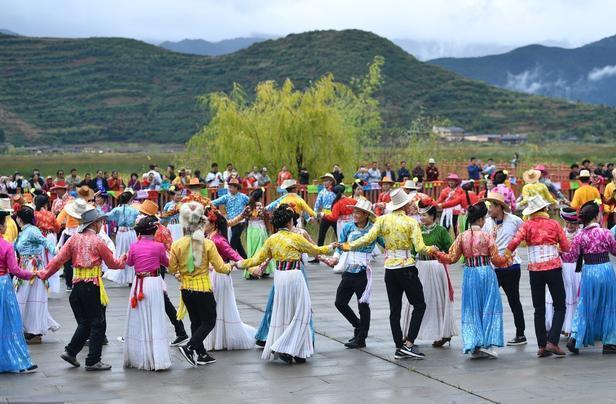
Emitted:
pixel 146 345
pixel 124 239
pixel 54 281
pixel 289 330
pixel 176 231
pixel 571 279
pixel 229 333
pixel 438 321
pixel 109 243
pixel 33 306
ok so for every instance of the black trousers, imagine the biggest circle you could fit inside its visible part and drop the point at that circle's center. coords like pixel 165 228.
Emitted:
pixel 86 304
pixel 323 228
pixel 399 282
pixel 509 280
pixel 354 284
pixel 68 267
pixel 236 239
pixel 172 313
pixel 611 220
pixel 454 224
pixel 201 308
pixel 554 281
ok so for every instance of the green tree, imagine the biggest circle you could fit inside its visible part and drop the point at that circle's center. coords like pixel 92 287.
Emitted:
pixel 325 123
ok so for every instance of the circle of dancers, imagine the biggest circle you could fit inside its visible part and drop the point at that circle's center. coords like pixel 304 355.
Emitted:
pixel 572 280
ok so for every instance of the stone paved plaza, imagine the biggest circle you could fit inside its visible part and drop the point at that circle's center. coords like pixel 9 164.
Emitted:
pixel 333 375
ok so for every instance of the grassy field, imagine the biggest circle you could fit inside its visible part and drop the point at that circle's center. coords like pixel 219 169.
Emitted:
pixel 139 161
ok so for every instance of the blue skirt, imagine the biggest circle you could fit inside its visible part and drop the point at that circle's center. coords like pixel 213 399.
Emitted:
pixel 264 326
pixel 482 309
pixel 14 353
pixel 595 317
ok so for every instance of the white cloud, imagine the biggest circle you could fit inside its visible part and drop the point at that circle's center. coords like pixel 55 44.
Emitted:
pixel 597 73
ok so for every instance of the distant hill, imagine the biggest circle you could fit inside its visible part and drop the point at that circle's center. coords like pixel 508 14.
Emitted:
pixel 56 90
pixel 587 73
pixel 8 32
pixel 206 48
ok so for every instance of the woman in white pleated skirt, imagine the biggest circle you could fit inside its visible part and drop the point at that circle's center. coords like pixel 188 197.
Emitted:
pixel 125 216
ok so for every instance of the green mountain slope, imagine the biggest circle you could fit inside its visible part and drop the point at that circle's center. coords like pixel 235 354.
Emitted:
pixel 81 90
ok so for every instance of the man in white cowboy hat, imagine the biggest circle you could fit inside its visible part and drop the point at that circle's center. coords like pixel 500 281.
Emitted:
pixel 323 204
pixel 87 251
pixel 545 239
pixel 585 192
pixel 69 219
pixel 402 236
pixel 357 274
pixel 11 232
pixel 234 202
pixel 291 197
pixel 503 226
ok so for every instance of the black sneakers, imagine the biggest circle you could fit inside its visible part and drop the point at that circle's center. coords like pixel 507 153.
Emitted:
pixel 188 354
pixel 518 340
pixel 181 340
pixel 260 344
pixel 412 351
pixel 31 369
pixel 205 359
pixel 571 346
pixel 356 343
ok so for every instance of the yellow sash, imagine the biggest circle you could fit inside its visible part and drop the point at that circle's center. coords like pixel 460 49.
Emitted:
pixel 198 283
pixel 94 272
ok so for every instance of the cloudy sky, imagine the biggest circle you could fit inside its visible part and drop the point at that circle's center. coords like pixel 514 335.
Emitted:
pixel 464 21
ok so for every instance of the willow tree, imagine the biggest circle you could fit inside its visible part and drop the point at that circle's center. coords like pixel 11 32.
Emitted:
pixel 328 122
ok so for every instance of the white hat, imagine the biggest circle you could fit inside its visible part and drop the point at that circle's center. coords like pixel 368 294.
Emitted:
pixel 328 176
pixel 584 174
pixel 535 203
pixel 431 161
pixel 5 205
pixel 76 208
pixel 409 184
pixel 365 205
pixel 288 184
pixel 399 198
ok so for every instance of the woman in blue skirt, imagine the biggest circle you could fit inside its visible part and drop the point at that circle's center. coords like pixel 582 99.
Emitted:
pixel 595 317
pixel 14 354
pixel 482 309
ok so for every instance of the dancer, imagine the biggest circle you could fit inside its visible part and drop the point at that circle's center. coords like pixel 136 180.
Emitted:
pixel 14 353
pixel 438 324
pixel 401 234
pixel 586 192
pixel 449 217
pixel 292 198
pixel 256 233
pixel 503 226
pixel 88 297
pixel 69 218
pixel 461 201
pixel 124 215
pixel 384 196
pixel 290 337
pixel 609 201
pixel 145 334
pixel 532 187
pixel 594 318
pixel 356 273
pixel 234 202
pixel 32 294
pixel 499 180
pixel 571 278
pixel 229 332
pixel 170 216
pixel 544 236
pixel 323 204
pixel 342 209
pixel 11 232
pixel 190 260
pixel 46 222
pixel 482 309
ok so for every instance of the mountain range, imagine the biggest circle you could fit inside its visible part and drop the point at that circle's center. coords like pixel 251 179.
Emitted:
pixel 207 48
pixel 586 73
pixel 56 90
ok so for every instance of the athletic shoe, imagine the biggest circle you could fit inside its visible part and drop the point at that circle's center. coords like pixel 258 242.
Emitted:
pixel 521 340
pixel 205 359
pixel 98 366
pixel 69 288
pixel 478 354
pixel 285 358
pixel 188 354
pixel 358 343
pixel 399 355
pixel 571 346
pixel 70 359
pixel 120 339
pixel 181 340
pixel 609 349
pixel 489 352
pixel 412 351
pixel 31 369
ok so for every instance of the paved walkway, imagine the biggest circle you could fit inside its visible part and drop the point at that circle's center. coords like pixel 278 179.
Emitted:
pixel 333 375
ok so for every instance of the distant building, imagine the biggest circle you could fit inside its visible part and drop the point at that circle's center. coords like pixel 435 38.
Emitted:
pixel 507 138
pixel 449 133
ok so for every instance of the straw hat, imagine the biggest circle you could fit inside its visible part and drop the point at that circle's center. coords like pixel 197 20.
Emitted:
pixel 328 176
pixel 76 208
pixel 148 208
pixel 288 184
pixel 498 199
pixel 452 177
pixel 88 217
pixel 364 205
pixel 535 203
pixel 6 205
pixel 431 161
pixel 584 174
pixel 531 176
pixel 85 192
pixel 399 199
pixel 386 180
pixel 195 183
pixel 409 184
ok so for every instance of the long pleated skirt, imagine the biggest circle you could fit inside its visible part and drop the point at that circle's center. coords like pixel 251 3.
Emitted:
pixel 438 320
pixel 14 353
pixel 230 332
pixel 146 344
pixel 33 300
pixel 54 281
pixel 595 317
pixel 289 330
pixel 124 239
pixel 571 280
pixel 256 234
pixel 482 309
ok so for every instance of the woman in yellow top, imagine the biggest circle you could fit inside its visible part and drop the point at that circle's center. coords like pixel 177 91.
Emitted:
pixel 609 200
pixel 190 259
pixel 532 187
pixel 289 337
